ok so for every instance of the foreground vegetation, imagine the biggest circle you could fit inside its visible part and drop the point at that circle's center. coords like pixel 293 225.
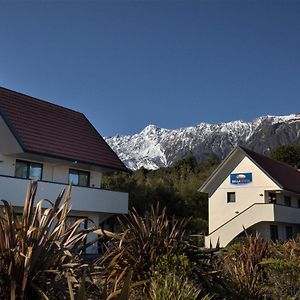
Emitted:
pixel 152 258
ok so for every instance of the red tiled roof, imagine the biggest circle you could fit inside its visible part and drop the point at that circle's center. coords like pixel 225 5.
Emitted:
pixel 48 129
pixel 285 175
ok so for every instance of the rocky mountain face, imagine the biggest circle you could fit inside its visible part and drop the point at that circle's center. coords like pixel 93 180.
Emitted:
pixel 156 147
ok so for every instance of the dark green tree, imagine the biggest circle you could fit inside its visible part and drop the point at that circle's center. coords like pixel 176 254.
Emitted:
pixel 289 154
pixel 175 187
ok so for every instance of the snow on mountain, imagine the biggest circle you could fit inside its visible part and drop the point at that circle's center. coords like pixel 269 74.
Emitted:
pixel 156 147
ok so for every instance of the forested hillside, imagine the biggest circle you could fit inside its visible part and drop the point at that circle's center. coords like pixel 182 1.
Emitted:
pixel 175 187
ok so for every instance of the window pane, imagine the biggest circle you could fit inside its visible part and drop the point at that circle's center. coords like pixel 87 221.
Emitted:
pixel 287 201
pixel 83 179
pixel 231 197
pixel 21 169
pixel 73 177
pixel 35 171
pixel 78 177
pixel 289 232
pixel 272 198
pixel 274 232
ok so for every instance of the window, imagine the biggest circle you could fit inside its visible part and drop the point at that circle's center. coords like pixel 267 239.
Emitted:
pixel 272 198
pixel 287 201
pixel 80 178
pixel 274 233
pixel 28 170
pixel 230 197
pixel 289 232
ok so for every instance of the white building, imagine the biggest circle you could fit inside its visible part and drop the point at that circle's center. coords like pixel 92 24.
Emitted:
pixel 56 146
pixel 249 190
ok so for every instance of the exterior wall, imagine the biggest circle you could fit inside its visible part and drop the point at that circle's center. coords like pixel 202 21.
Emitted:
pixel 52 172
pixel 11 145
pixel 253 215
pixel 83 199
pixel 7 165
pixel 246 194
pixel 264 229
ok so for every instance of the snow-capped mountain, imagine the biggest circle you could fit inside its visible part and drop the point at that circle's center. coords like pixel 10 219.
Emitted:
pixel 156 147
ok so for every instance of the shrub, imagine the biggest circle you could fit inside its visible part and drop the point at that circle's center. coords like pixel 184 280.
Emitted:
pixel 171 286
pixel 143 241
pixel 36 249
pixel 171 279
pixel 283 271
pixel 243 267
pixel 39 253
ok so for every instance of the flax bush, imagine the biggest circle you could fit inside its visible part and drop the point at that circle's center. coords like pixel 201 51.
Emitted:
pixel 243 267
pixel 39 253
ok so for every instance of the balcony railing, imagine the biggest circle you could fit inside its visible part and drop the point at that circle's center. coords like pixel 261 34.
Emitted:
pixel 83 198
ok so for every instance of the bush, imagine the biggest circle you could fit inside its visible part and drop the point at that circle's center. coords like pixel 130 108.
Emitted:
pixel 283 271
pixel 37 249
pixel 171 280
pixel 143 241
pixel 243 268
pixel 171 286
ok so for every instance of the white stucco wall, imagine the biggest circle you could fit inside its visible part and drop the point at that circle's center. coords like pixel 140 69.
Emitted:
pixel 53 172
pixel 246 194
pixel 264 229
pixel 10 145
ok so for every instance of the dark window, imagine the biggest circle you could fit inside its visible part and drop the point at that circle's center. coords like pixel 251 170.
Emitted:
pixel 272 198
pixel 274 233
pixel 28 170
pixel 77 177
pixel 289 232
pixel 287 201
pixel 230 197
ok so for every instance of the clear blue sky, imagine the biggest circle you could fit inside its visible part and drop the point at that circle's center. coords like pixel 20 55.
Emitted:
pixel 127 64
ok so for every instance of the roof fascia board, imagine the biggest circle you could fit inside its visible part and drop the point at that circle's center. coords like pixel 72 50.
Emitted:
pixel 204 186
pixel 100 136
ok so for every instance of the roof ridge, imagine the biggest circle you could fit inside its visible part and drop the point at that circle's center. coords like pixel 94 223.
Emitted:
pixel 41 100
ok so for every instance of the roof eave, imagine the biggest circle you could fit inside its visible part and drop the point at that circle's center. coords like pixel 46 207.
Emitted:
pixel 203 188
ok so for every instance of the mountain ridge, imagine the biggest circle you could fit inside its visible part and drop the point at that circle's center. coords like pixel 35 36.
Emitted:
pixel 156 147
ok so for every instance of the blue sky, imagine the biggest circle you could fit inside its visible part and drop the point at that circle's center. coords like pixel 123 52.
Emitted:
pixel 127 64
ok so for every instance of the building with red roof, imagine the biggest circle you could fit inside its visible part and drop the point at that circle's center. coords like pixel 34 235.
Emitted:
pixel 252 192
pixel 56 146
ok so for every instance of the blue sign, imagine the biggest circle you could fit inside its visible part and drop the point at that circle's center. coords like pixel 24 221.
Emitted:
pixel 240 178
